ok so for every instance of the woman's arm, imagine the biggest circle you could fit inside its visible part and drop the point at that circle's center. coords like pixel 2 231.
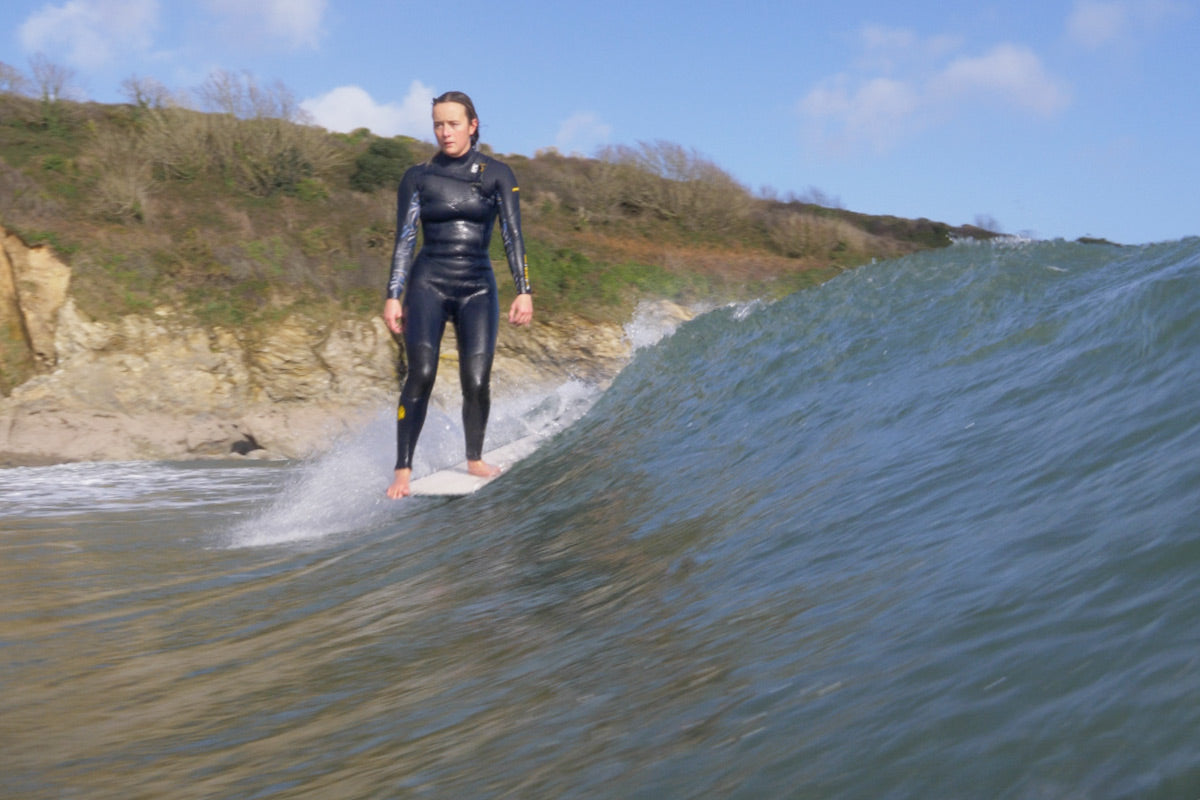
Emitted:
pixel 408 217
pixel 508 198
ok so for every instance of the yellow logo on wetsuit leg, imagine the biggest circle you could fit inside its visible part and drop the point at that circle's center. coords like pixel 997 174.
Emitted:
pixel 400 412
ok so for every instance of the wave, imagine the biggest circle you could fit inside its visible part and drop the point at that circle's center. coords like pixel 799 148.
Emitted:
pixel 925 530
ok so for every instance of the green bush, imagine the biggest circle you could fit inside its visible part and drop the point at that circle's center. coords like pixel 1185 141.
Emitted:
pixel 311 190
pixel 383 164
pixel 566 278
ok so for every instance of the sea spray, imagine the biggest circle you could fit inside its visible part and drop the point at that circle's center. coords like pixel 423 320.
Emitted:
pixel 342 489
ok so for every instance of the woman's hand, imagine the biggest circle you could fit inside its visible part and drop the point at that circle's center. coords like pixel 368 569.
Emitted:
pixel 521 312
pixel 393 315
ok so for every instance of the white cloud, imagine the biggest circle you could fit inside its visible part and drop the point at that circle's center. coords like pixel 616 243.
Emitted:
pixel 1100 23
pixel 298 23
pixel 582 133
pixel 883 101
pixel 1094 24
pixel 349 107
pixel 1008 73
pixel 881 37
pixel 923 84
pixel 873 112
pixel 90 33
pixel 887 49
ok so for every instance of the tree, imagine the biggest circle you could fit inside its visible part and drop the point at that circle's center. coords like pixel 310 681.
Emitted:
pixel 52 80
pixel 11 80
pixel 382 164
pixel 988 223
pixel 240 95
pixel 145 92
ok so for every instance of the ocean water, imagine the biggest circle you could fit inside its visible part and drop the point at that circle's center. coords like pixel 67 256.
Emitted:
pixel 928 530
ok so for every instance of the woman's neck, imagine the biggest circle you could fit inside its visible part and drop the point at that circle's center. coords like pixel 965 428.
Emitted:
pixel 455 159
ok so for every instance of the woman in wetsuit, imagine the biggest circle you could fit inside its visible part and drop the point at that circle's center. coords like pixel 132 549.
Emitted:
pixel 456 197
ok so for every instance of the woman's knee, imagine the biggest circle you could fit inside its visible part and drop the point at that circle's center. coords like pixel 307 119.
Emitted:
pixel 475 377
pixel 422 370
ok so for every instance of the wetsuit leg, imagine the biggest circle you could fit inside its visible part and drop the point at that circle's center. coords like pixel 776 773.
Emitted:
pixel 476 321
pixel 424 324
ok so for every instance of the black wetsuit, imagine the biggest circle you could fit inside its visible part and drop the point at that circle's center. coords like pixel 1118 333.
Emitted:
pixel 456 201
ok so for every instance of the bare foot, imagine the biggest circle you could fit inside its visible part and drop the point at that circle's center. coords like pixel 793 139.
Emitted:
pixel 482 469
pixel 399 487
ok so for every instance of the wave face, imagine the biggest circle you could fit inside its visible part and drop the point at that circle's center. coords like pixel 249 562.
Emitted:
pixel 928 530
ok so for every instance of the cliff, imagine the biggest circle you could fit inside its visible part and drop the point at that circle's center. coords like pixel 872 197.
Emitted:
pixel 160 386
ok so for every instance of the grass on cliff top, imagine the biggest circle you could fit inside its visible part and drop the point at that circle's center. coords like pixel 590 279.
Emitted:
pixel 241 220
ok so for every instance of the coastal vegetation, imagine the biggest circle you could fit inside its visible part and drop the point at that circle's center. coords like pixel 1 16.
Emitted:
pixel 234 210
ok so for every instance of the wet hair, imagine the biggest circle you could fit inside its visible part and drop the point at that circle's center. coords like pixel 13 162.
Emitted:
pixel 463 100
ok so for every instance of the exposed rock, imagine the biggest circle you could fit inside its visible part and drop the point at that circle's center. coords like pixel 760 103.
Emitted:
pixel 362 357
pixel 284 365
pixel 245 446
pixel 76 334
pixel 33 287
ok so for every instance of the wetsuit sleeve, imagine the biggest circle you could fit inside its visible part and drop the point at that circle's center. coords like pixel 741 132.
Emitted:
pixel 508 196
pixel 408 217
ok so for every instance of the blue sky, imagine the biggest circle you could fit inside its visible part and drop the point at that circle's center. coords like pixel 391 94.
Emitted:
pixel 1055 119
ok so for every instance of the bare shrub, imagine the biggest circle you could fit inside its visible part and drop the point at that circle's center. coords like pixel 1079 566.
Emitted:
pixel 670 182
pixel 123 193
pixel 177 143
pixel 265 156
pixel 124 183
pixel 817 197
pixel 572 184
pixel 239 95
pixel 261 155
pixel 800 234
pixel 988 223
pixel 146 92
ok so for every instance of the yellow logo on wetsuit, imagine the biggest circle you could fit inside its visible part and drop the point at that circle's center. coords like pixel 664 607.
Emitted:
pixel 400 412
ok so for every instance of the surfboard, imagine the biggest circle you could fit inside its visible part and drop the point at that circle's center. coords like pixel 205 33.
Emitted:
pixel 456 481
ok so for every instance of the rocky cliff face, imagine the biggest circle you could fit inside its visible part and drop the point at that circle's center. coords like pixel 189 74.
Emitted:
pixel 33 287
pixel 159 387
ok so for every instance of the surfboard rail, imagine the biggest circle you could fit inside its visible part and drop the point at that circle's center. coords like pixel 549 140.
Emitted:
pixel 456 481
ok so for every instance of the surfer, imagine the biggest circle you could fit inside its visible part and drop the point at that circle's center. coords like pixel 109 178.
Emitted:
pixel 455 197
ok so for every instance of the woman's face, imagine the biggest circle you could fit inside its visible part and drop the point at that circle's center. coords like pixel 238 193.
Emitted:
pixel 452 128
